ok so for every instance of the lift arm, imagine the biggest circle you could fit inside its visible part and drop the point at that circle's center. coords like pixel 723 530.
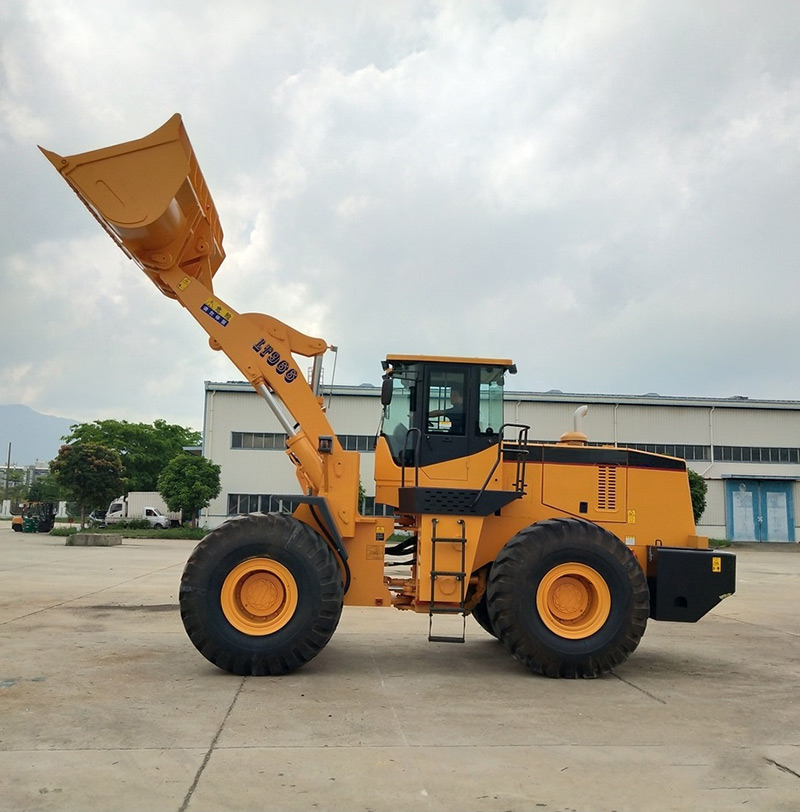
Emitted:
pixel 151 197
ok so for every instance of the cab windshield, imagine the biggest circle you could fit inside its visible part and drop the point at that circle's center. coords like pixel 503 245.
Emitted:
pixel 442 410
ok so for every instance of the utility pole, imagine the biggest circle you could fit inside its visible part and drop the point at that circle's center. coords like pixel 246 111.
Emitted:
pixel 8 471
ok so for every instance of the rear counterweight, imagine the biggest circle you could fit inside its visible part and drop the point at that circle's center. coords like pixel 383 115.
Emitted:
pixel 686 583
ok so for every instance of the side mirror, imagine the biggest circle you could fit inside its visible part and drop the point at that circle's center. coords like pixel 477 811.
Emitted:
pixel 386 391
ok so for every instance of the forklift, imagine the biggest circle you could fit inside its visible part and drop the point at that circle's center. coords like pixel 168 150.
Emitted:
pixel 34 517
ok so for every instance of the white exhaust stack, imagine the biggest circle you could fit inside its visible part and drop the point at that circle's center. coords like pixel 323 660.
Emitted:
pixel 576 436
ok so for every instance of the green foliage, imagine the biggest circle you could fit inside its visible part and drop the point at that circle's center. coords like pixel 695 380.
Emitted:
pixel 143 447
pixel 89 472
pixel 14 480
pixel 189 483
pixel 717 544
pixel 44 489
pixel 64 531
pixel 698 488
pixel 133 524
pixel 191 533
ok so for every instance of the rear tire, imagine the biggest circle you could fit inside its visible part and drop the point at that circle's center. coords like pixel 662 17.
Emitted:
pixel 261 595
pixel 481 614
pixel 568 599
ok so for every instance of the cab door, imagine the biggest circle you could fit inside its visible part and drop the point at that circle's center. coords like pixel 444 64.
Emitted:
pixel 445 411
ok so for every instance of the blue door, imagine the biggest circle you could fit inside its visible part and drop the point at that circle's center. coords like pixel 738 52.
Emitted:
pixel 759 510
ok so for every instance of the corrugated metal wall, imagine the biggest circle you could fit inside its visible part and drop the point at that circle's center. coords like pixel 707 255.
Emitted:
pixel 761 427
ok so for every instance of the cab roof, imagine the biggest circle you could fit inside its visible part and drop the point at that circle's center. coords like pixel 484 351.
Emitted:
pixel 506 363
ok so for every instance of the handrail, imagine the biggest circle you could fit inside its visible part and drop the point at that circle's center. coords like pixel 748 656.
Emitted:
pixel 409 432
pixel 522 439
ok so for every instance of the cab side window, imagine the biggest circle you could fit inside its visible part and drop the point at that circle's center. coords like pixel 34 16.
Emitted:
pixel 446 403
pixel 490 417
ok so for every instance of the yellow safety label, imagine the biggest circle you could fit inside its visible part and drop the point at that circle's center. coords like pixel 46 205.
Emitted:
pixel 716 564
pixel 631 517
pixel 217 311
pixel 184 283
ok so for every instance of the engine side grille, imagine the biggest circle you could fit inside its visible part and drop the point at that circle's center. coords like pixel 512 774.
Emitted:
pixel 607 487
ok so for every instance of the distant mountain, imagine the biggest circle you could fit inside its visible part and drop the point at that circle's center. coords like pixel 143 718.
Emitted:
pixel 33 436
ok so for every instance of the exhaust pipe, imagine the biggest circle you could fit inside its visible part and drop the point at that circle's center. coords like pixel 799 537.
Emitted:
pixel 576 436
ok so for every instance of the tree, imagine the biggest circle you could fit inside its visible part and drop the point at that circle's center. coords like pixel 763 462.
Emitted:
pixel 143 447
pixel 189 483
pixel 14 488
pixel 90 472
pixel 44 489
pixel 698 488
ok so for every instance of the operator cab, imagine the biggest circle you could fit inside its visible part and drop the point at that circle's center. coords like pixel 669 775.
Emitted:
pixel 439 409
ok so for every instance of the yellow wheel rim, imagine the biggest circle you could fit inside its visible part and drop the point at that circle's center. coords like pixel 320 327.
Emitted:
pixel 573 601
pixel 259 596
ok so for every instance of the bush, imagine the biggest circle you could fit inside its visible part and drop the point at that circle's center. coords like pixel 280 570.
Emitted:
pixel 64 531
pixel 185 532
pixel 136 524
pixel 698 488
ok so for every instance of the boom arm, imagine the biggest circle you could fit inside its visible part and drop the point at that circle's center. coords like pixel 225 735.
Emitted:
pixel 152 199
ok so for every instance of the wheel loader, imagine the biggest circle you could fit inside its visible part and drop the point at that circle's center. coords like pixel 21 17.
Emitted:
pixel 561 550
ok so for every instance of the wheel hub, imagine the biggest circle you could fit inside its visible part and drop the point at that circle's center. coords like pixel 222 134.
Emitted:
pixel 262 594
pixel 573 600
pixel 259 596
pixel 569 597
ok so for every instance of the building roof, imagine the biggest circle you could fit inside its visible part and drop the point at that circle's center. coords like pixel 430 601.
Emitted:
pixel 556 396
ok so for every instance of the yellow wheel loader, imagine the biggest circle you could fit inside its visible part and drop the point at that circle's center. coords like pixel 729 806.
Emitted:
pixel 562 551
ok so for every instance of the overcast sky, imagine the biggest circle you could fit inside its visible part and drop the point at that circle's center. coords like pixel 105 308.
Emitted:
pixel 606 192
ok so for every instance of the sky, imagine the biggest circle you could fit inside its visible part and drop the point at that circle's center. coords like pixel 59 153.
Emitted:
pixel 606 193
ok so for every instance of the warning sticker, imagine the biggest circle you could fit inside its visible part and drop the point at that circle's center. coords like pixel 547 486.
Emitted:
pixel 217 311
pixel 716 564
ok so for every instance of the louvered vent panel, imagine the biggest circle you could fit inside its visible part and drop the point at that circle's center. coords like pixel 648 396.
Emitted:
pixel 607 487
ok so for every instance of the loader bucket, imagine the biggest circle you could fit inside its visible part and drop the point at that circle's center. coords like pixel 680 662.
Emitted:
pixel 152 199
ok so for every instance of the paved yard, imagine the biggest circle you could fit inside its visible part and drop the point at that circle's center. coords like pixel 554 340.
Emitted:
pixel 106 705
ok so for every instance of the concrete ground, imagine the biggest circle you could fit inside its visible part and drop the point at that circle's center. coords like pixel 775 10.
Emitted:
pixel 106 705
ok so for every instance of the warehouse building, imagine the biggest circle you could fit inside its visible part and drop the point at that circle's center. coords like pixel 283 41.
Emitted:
pixel 748 451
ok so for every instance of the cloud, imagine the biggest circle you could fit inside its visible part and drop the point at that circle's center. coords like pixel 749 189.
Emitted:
pixel 606 193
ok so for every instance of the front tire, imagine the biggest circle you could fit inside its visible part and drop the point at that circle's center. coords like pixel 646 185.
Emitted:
pixel 568 599
pixel 261 595
pixel 481 614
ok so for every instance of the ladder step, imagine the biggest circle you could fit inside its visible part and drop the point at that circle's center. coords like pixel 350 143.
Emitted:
pixel 457 633
pixel 449 574
pixel 445 610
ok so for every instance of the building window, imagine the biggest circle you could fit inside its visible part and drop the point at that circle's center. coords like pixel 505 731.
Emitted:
pixel 693 453
pixel 357 442
pixel 735 453
pixel 276 441
pixel 258 439
pixel 242 503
